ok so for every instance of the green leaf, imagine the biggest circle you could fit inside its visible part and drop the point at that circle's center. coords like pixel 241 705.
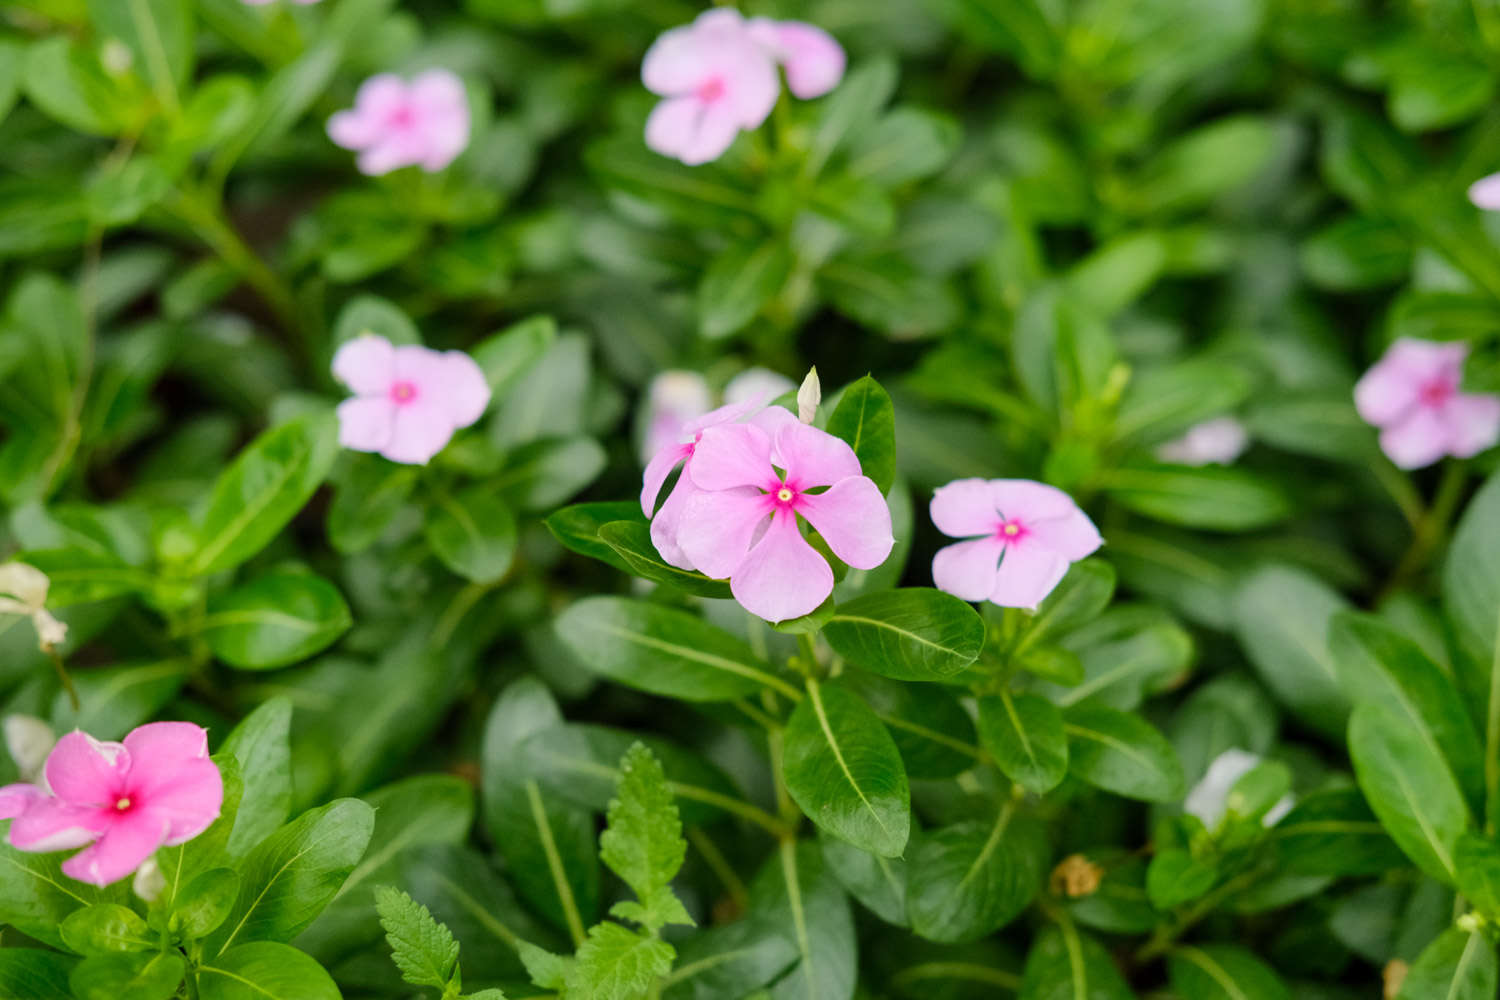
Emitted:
pixel 1409 787
pixel 904 145
pixel 850 109
pixel 1025 734
pixel 206 902
pixel 1204 164
pixel 1282 617
pixel 1458 965
pixel 931 729
pixel 506 356
pixel 1166 400
pixel 738 283
pixel 1223 972
pixel 422 948
pixel 662 650
pixel 35 896
pixel 697 195
pixel 795 894
pixel 890 295
pixel 261 743
pixel 1122 753
pixel 866 420
pixel 64 79
pixel 264 970
pixel 288 879
pixel 968 880
pixel 723 961
pixel 473 534
pixel 275 620
pixel 263 489
pixel 1333 832
pixel 367 497
pixel 618 964
pixel 543 474
pixel 630 541
pixel 136 976
pixel 32 974
pixel 577 528
pixel 642 842
pixel 1211 497
pixel 912 634
pixel 1477 861
pixel 1175 877
pixel 105 929
pixel 159 35
pixel 115 700
pixel 546 970
pixel 373 316
pixel 1080 597
pixel 1357 252
pixel 880 884
pixel 842 767
pixel 1066 965
pixel 1471 573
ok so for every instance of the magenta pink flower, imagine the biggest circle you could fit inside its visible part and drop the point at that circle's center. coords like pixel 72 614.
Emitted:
pixel 1412 394
pixel 742 521
pixel 409 400
pixel 395 124
pixel 156 789
pixel 716 80
pixel 812 59
pixel 1022 536
pixel 1485 193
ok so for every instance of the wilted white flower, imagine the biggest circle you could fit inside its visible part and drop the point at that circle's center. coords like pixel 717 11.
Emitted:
pixel 1209 798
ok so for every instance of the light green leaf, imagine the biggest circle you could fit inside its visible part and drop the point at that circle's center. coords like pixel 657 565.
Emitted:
pixel 473 534
pixel 275 620
pixel 865 419
pixel 642 842
pixel 1458 965
pixel 1282 617
pixel 264 970
pixel 423 949
pixel 738 283
pixel 618 964
pixel 134 975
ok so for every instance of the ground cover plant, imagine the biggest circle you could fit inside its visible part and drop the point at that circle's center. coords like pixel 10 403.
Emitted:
pixel 624 500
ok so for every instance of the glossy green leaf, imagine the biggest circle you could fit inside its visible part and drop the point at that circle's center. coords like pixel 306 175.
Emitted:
pixel 933 732
pixel 577 528
pixel 35 896
pixel 866 420
pixel 1124 754
pixel 1223 972
pixel 135 975
pixel 1333 832
pixel 913 634
pixel 630 541
pixel 473 534
pixel 105 929
pixel 738 283
pixel 1471 572
pixel 1216 498
pixel 1458 965
pixel 206 902
pixel 796 894
pixel 968 880
pixel 842 767
pixel 1282 616
pixel 1065 965
pixel 261 744
pixel 33 974
pixel 1024 733
pixel 274 620
pixel 264 970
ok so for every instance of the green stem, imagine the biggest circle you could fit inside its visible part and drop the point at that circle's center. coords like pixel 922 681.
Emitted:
pixel 807 663
pixel 1166 936
pixel 1492 741
pixel 1431 526
pixel 1401 491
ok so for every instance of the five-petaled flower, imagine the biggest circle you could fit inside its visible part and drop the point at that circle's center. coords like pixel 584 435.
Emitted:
pixel 409 400
pixel 1485 193
pixel 752 483
pixel 718 76
pixel 126 800
pixel 395 124
pixel 1022 536
pixel 1213 442
pixel 1412 394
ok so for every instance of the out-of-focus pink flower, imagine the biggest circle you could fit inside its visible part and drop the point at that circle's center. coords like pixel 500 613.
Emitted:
pixel 742 523
pixel 1412 394
pixel 757 385
pixel 1485 193
pixel 395 124
pixel 1213 442
pixel 673 400
pixel 812 59
pixel 716 80
pixel 409 400
pixel 156 789
pixel 1022 536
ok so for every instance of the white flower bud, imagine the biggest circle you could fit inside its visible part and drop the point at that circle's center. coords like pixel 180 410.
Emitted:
pixel 809 396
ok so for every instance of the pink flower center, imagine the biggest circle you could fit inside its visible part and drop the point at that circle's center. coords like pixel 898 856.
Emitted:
pixel 783 496
pixel 403 392
pixel 1010 531
pixel 122 804
pixel 403 117
pixel 711 90
pixel 1437 391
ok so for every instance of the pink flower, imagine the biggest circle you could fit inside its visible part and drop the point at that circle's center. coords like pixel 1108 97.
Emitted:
pixel 156 789
pixel 1485 193
pixel 1213 442
pixel 742 523
pixel 716 80
pixel 395 124
pixel 1022 536
pixel 409 399
pixel 673 400
pixel 1412 394
pixel 758 385
pixel 812 59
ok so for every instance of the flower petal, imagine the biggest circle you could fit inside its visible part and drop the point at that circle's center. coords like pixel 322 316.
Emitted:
pixel 657 471
pixel 366 422
pixel 758 386
pixel 853 519
pixel 50 824
pixel 15 798
pixel 419 431
pixel 967 570
pixel 1209 798
pixel 783 577
pixel 158 743
pixel 84 771
pixel 812 457
pixel 1027 574
pixel 1028 500
pixel 123 848
pixel 1393 385
pixel 462 387
pixel 1485 193
pixel 672 125
pixel 731 455
pixel 813 60
pixel 713 132
pixel 717 527
pixel 965 508
pixel 187 798
pixel 675 63
pixel 728 414
pixel 1072 536
pixel 366 364
pixel 1473 421
pixel 668 522
pixel 1417 440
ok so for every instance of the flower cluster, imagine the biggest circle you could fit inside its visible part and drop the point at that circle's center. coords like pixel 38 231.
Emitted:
pixel 394 124
pixel 717 77
pixel 122 801
pixel 409 400
pixel 749 480
pixel 1412 394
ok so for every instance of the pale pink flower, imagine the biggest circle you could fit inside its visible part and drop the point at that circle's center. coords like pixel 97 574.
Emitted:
pixel 758 385
pixel 1209 798
pixel 716 80
pixel 742 523
pixel 812 59
pixel 1213 442
pixel 1485 193
pixel 156 789
pixel 1412 394
pixel 1022 536
pixel 673 400
pixel 396 124
pixel 409 400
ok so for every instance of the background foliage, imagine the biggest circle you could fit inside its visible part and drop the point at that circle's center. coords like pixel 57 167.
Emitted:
pixel 1057 232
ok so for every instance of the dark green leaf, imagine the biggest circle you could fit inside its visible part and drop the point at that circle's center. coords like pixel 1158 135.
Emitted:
pixel 1282 617
pixel 914 634
pixel 577 527
pixel 1223 972
pixel 738 283
pixel 274 620
pixel 1459 965
pixel 1123 754
pixel 631 543
pixel 968 880
pixel 1066 965
pixel 472 533
pixel 866 420
pixel 1025 734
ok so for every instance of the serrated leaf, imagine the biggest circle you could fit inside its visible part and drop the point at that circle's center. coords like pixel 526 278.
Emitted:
pixel 546 970
pixel 643 842
pixel 423 949
pixel 618 964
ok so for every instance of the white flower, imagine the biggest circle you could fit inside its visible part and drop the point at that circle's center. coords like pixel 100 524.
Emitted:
pixel 1213 442
pixel 1209 799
